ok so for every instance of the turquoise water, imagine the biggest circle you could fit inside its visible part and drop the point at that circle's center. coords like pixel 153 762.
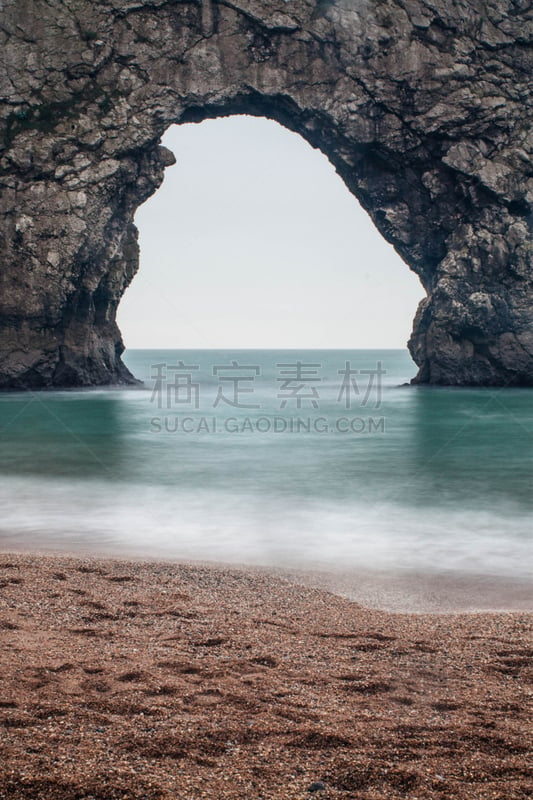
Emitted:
pixel 405 478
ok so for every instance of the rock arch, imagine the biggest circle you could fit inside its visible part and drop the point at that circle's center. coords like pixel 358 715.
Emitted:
pixel 423 106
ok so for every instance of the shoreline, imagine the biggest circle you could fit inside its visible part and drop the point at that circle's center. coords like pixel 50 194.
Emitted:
pixel 393 591
pixel 157 680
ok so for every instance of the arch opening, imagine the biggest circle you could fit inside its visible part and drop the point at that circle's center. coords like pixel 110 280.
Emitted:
pixel 253 241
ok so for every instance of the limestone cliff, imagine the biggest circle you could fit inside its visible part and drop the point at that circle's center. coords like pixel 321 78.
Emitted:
pixel 423 106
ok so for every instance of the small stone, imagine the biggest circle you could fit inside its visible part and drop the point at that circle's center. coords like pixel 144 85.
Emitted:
pixel 316 786
pixel 53 258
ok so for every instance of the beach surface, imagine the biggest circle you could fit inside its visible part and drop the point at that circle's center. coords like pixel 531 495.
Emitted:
pixel 157 680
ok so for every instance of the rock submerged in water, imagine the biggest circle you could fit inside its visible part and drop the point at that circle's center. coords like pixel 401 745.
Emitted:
pixel 425 111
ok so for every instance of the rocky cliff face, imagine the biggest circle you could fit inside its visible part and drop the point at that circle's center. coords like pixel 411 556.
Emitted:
pixel 423 106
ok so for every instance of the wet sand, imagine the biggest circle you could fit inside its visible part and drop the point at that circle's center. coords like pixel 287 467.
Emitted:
pixel 156 680
pixel 416 592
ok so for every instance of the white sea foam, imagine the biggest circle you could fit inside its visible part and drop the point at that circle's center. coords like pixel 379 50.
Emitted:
pixel 209 525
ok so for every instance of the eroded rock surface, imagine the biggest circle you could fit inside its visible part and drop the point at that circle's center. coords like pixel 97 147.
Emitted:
pixel 423 106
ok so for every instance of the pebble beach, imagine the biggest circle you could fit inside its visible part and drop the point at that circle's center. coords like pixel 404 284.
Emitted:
pixel 157 680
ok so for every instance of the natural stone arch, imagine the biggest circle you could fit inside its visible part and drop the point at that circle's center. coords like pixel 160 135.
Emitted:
pixel 423 106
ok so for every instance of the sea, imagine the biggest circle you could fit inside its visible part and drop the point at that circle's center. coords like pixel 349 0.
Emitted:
pixel 319 463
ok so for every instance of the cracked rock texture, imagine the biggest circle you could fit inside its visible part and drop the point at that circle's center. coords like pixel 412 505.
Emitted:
pixel 423 106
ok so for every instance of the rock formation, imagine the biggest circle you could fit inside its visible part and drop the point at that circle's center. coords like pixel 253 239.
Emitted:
pixel 423 106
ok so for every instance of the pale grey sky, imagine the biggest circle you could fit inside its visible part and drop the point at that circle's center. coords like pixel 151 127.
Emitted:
pixel 254 241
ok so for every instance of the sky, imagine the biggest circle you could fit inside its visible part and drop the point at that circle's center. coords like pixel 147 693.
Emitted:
pixel 254 241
